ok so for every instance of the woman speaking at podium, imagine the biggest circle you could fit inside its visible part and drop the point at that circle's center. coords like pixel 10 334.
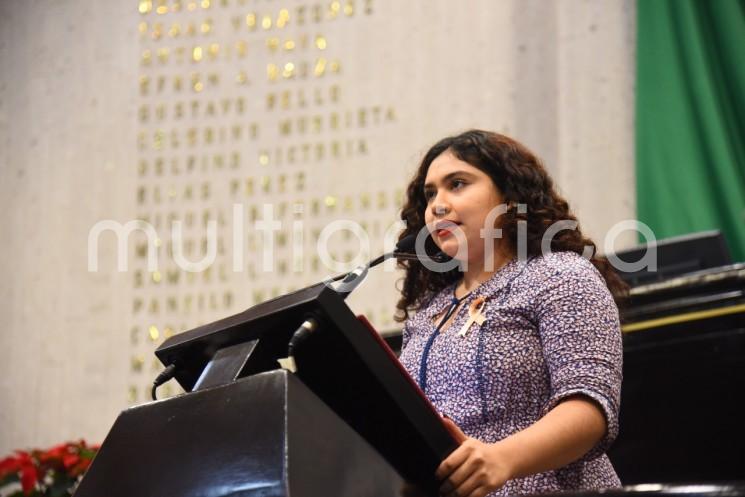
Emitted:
pixel 520 344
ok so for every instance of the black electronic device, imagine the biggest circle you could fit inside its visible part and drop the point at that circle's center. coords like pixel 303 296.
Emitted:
pixel 672 257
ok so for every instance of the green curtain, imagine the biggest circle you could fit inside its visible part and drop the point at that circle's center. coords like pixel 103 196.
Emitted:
pixel 690 118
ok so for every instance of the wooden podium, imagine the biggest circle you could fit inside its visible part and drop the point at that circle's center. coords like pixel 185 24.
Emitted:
pixel 351 422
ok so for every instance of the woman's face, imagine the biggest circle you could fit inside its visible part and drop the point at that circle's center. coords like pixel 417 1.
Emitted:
pixel 459 197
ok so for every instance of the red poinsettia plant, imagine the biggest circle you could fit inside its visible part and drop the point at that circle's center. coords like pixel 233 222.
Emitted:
pixel 54 472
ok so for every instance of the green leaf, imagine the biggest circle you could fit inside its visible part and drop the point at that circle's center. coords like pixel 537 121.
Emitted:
pixel 10 478
pixel 60 486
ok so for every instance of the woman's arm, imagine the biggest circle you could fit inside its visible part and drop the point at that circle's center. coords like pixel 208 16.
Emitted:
pixel 562 436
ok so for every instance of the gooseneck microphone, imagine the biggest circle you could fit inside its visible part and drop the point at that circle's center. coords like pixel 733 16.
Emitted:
pixel 352 279
pixel 349 282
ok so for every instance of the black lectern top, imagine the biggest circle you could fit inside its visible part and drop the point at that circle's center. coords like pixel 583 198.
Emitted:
pixel 344 362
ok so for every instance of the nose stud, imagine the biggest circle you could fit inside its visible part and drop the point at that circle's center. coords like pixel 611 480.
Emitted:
pixel 440 210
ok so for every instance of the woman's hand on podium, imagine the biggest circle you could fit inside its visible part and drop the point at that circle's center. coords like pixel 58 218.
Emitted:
pixel 473 469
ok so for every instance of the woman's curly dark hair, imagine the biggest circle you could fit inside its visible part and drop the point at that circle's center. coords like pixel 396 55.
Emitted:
pixel 521 179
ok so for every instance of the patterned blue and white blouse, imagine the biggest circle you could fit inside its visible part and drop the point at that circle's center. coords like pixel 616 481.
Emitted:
pixel 551 331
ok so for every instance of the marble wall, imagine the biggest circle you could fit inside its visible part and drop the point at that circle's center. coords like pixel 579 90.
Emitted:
pixel 179 110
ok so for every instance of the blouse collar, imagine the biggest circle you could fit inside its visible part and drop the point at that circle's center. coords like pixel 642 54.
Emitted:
pixel 487 289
